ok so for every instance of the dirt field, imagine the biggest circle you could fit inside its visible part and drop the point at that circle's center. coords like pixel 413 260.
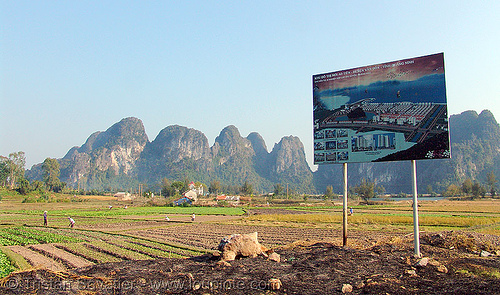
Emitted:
pixel 132 254
pixel 305 268
pixel 207 236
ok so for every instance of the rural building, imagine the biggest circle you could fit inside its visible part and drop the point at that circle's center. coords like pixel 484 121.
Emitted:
pixel 123 196
pixel 221 198
pixel 235 200
pixel 197 189
pixel 191 195
pixel 183 200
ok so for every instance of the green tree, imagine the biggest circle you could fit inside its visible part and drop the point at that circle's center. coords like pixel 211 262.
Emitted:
pixel 51 174
pixel 179 186
pixel 166 188
pixel 467 186
pixel 492 183
pixel 4 171
pixel 477 190
pixel 430 190
pixel 12 169
pixel 24 186
pixel 59 187
pixel 37 185
pixel 452 190
pixel 246 188
pixel 367 190
pixel 329 193
pixel 215 187
pixel 279 189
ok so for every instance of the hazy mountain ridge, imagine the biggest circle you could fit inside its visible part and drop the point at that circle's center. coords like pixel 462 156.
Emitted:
pixel 122 157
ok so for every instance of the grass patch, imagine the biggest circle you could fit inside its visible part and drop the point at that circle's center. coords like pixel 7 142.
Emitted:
pixel 137 211
pixel 6 266
pixel 480 271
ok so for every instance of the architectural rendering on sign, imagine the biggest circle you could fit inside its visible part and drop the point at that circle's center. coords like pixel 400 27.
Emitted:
pixel 386 112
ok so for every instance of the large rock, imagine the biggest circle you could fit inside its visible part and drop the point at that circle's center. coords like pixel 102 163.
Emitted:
pixel 245 245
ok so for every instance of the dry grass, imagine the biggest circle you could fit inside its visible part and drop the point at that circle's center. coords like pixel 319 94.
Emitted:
pixel 477 206
pixel 380 219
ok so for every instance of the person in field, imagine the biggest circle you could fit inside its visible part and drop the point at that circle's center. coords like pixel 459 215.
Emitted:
pixel 193 217
pixel 71 222
pixel 45 218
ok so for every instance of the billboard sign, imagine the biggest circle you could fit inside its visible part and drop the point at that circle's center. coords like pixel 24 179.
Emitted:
pixel 386 112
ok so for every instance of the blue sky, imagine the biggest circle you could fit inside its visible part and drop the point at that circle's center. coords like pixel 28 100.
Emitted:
pixel 70 68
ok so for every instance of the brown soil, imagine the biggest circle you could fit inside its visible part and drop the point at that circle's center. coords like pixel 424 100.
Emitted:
pixel 207 236
pixel 36 259
pixel 72 261
pixel 455 267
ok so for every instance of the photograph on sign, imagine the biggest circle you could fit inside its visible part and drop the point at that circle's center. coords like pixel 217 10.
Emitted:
pixel 391 111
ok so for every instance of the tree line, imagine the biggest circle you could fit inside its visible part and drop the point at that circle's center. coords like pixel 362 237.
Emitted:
pixel 12 175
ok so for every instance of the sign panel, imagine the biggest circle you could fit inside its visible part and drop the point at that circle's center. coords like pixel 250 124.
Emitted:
pixel 386 112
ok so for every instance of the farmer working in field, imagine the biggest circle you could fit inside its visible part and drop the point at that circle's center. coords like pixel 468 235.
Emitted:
pixel 45 218
pixel 71 222
pixel 192 217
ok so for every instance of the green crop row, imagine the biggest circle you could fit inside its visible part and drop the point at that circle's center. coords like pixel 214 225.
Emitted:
pixel 47 237
pixel 167 248
pixel 6 241
pixel 138 211
pixel 5 265
pixel 26 236
pixel 88 253
pixel 117 251
pixel 153 252
pixel 74 235
pixel 9 238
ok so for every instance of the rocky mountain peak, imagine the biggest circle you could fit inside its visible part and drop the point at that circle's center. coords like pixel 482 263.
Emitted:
pixel 468 124
pixel 89 143
pixel 230 143
pixel 288 160
pixel 258 144
pixel 228 136
pixel 177 143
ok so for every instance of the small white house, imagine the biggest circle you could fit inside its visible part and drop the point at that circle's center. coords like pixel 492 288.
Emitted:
pixel 197 189
pixel 191 194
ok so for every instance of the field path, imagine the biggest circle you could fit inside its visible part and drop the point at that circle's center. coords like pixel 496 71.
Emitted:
pixel 37 259
pixel 66 257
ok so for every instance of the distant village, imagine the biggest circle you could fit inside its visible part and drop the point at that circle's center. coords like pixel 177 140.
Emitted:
pixel 193 196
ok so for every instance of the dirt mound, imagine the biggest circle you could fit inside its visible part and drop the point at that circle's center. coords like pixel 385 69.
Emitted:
pixel 305 268
pixel 464 241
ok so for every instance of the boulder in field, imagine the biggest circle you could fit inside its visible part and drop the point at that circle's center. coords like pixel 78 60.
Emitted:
pixel 245 245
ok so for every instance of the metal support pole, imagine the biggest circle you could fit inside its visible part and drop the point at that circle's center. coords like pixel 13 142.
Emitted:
pixel 344 208
pixel 416 232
